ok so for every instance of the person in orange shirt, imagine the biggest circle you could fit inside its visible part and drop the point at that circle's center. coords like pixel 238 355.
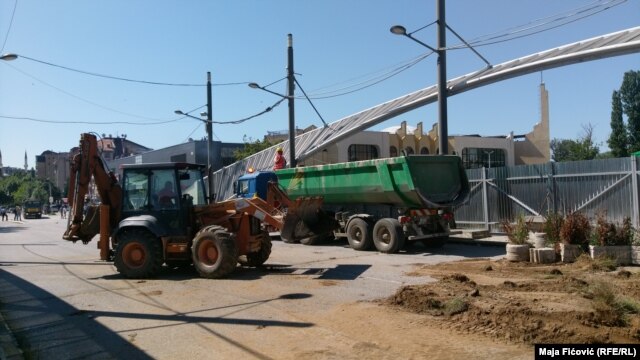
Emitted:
pixel 279 162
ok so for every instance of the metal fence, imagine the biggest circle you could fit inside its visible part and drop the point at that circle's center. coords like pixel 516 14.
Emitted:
pixel 501 194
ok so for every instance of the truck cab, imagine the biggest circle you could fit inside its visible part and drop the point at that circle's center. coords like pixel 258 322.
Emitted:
pixel 254 184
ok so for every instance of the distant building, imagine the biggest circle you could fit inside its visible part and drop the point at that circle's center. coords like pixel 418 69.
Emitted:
pixel 53 166
pixel 119 147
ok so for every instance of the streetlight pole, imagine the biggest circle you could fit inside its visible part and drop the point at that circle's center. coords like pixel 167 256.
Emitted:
pixel 292 114
pixel 210 140
pixel 209 127
pixel 443 135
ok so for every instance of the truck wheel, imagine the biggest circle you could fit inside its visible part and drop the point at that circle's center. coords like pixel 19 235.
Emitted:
pixel 435 243
pixel 260 257
pixel 359 235
pixel 317 239
pixel 388 236
pixel 138 255
pixel 214 252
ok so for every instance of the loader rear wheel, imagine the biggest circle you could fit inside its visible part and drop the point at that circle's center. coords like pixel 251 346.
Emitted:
pixel 138 255
pixel 214 252
pixel 258 258
pixel 388 236
pixel 359 235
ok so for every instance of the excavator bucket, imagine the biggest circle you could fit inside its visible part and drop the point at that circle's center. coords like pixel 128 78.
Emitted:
pixel 86 230
pixel 306 218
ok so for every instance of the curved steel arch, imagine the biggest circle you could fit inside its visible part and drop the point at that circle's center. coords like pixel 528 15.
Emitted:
pixel 614 44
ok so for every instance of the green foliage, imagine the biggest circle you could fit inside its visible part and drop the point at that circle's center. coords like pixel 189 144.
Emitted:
pixel 552 224
pixel 630 98
pixel 575 229
pixel 19 187
pixel 619 139
pixel 583 148
pixel 517 233
pixel 251 147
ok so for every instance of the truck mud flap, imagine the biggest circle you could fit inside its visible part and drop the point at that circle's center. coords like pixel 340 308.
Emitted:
pixel 307 219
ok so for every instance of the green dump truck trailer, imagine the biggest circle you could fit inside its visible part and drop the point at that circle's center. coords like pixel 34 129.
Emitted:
pixel 384 202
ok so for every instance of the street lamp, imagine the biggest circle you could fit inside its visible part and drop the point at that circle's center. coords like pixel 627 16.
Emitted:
pixel 209 126
pixel 443 136
pixel 8 57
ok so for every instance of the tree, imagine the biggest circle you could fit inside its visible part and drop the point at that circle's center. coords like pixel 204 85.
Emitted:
pixel 251 147
pixel 630 98
pixel 618 140
pixel 583 148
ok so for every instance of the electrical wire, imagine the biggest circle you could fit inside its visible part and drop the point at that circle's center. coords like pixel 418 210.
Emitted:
pixel 83 99
pixel 529 28
pixel 126 79
pixel 13 13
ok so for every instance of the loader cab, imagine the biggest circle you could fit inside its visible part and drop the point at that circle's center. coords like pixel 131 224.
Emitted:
pixel 254 184
pixel 164 191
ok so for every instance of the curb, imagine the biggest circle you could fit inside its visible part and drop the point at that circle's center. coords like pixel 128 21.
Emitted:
pixel 9 349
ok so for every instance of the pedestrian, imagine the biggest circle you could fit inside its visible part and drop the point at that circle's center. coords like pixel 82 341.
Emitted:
pixel 279 162
pixel 63 211
pixel 3 213
pixel 19 213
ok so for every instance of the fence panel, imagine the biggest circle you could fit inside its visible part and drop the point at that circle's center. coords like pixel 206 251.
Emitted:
pixel 500 194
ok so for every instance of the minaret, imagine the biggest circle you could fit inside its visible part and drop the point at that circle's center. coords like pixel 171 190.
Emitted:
pixel 26 167
pixel 1 167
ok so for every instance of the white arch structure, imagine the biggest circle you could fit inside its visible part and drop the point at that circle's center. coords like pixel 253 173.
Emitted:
pixel 614 44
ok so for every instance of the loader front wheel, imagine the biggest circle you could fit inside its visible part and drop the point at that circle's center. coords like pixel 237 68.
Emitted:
pixel 138 255
pixel 214 252
pixel 258 258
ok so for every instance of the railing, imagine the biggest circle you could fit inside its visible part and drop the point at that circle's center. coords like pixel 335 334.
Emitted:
pixel 499 194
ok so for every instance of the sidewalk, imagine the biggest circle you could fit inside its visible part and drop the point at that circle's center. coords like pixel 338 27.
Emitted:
pixel 9 349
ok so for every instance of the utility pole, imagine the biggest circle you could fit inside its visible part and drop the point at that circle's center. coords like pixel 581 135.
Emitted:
pixel 212 196
pixel 291 88
pixel 443 135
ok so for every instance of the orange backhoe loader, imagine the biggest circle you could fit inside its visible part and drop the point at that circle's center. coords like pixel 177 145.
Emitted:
pixel 160 215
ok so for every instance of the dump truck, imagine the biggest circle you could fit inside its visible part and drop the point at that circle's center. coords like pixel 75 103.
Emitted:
pixel 161 214
pixel 379 203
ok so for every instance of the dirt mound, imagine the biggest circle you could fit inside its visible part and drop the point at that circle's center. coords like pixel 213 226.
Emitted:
pixel 528 303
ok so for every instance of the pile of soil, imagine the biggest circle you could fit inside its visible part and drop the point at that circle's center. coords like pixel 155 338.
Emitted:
pixel 517 302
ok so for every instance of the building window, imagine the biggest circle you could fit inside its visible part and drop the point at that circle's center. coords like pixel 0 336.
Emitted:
pixel 393 151
pixel 357 152
pixel 408 150
pixel 473 158
pixel 424 151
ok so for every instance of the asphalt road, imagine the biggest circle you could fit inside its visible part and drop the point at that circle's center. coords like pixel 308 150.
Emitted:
pixel 60 301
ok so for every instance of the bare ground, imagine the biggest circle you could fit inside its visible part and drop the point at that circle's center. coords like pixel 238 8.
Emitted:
pixel 524 303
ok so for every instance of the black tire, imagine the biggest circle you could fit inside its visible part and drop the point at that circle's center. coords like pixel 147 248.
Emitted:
pixel 214 252
pixel 435 243
pixel 388 236
pixel 359 235
pixel 300 228
pixel 316 239
pixel 258 258
pixel 138 255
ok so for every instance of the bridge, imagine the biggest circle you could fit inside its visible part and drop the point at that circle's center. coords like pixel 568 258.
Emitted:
pixel 614 44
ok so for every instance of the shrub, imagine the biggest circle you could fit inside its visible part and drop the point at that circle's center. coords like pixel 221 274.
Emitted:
pixel 575 229
pixel 552 224
pixel 517 233
pixel 607 233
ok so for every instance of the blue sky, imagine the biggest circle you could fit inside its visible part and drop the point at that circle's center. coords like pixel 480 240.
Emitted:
pixel 339 46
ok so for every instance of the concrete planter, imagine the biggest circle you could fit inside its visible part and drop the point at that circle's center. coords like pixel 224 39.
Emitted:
pixel 620 253
pixel 518 252
pixel 538 239
pixel 635 254
pixel 570 252
pixel 542 255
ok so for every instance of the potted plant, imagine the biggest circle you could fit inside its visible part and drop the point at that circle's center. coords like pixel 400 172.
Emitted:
pixel 611 240
pixel 518 234
pixel 574 236
pixel 635 247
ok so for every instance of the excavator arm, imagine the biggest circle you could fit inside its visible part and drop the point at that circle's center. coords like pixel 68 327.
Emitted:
pixel 84 225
